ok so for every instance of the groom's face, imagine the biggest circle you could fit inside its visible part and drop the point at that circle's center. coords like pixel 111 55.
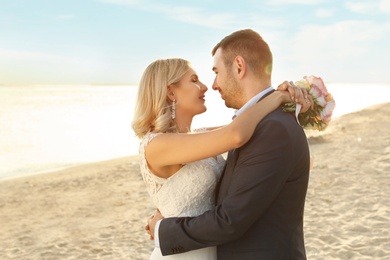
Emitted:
pixel 224 81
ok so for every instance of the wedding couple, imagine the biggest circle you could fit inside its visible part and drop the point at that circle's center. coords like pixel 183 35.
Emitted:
pixel 250 206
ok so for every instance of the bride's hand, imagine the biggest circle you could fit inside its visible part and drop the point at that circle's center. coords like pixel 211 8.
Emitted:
pixel 147 229
pixel 152 221
pixel 298 95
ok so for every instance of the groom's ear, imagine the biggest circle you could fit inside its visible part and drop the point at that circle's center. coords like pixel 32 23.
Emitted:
pixel 239 66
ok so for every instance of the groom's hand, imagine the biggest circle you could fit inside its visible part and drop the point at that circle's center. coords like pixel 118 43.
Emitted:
pixel 152 221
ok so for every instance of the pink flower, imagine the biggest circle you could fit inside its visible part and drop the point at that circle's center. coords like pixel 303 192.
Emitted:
pixel 326 113
pixel 317 95
pixel 318 82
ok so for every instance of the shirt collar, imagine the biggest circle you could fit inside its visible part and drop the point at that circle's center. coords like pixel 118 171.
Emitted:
pixel 253 101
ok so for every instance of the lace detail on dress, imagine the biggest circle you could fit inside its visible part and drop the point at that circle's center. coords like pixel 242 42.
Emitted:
pixel 153 182
pixel 199 130
pixel 189 192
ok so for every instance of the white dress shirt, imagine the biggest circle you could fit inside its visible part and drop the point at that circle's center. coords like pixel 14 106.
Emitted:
pixel 252 101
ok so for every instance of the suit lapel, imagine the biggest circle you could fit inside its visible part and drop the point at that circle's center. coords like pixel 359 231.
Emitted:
pixel 224 183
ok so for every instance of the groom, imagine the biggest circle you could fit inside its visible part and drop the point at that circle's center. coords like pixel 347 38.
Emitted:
pixel 261 194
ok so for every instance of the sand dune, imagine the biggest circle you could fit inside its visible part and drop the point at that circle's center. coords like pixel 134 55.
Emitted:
pixel 97 211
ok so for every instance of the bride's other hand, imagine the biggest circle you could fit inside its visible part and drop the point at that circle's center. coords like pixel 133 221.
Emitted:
pixel 147 229
pixel 298 95
pixel 152 221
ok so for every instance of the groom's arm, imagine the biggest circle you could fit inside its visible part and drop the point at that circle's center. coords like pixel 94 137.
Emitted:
pixel 262 169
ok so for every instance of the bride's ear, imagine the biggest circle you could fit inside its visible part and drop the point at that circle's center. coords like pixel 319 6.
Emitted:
pixel 170 94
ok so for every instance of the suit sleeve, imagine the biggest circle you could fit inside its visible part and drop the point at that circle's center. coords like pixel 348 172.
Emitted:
pixel 262 168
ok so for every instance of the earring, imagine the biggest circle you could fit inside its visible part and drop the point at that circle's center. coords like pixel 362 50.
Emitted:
pixel 173 109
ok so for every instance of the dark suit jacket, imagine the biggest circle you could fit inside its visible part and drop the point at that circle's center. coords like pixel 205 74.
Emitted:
pixel 261 198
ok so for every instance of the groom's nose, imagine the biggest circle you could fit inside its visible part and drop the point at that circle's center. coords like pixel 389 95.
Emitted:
pixel 215 86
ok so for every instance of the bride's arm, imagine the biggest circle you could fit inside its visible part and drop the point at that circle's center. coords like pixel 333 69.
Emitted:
pixel 175 148
pixel 297 94
pixel 213 127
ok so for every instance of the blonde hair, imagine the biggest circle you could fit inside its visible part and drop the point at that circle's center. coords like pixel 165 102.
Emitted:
pixel 153 109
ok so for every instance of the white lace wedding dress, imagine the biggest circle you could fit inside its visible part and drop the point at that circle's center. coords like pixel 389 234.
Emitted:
pixel 189 192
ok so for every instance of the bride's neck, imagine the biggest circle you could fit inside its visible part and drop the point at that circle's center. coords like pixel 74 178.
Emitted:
pixel 183 124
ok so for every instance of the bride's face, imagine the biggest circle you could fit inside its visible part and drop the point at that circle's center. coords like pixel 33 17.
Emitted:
pixel 190 95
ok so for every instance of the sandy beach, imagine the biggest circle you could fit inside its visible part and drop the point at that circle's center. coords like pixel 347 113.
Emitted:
pixel 98 211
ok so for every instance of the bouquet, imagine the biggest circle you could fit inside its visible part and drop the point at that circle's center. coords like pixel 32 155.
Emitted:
pixel 320 114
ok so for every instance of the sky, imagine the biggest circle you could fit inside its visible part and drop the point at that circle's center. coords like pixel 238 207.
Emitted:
pixel 112 41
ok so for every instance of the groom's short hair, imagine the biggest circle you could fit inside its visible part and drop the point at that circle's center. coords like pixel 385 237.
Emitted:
pixel 251 46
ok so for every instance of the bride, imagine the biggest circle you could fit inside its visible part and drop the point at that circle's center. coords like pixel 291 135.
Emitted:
pixel 181 168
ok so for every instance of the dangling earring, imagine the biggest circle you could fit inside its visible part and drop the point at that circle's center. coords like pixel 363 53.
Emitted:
pixel 173 109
